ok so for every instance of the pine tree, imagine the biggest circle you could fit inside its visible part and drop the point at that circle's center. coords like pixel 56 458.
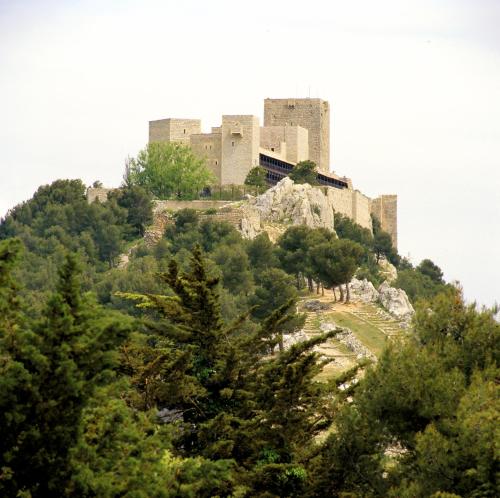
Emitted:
pixel 231 399
pixel 52 370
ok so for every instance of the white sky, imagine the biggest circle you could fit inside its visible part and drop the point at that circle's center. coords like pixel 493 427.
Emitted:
pixel 414 88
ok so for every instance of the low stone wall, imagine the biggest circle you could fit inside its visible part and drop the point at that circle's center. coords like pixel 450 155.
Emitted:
pixel 164 215
pixel 174 205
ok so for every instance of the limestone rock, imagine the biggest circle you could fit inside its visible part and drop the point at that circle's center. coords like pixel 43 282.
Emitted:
pixel 395 301
pixel 315 305
pixel 289 204
pixel 388 270
pixel 363 290
pixel 290 339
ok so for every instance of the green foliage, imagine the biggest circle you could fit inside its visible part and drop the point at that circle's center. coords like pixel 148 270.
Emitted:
pixel 169 170
pixel 262 253
pixel 138 203
pixel 275 288
pixel 431 270
pixel 304 172
pixel 229 402
pixel 335 262
pixel 256 177
pixel 124 452
pixel 433 401
pixel 348 229
pixel 202 399
pixel 49 371
pixel 417 285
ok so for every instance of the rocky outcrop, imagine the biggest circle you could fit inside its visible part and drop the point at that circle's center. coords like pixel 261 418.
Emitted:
pixel 287 203
pixel 363 290
pixel 387 270
pixel 395 301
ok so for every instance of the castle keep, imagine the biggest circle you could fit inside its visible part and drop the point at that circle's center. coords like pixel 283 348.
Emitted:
pixel 294 130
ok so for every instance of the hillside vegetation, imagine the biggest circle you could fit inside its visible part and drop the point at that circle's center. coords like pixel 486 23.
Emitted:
pixel 178 375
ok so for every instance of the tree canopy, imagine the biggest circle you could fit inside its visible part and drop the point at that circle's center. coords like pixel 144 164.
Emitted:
pixel 256 177
pixel 304 172
pixel 169 170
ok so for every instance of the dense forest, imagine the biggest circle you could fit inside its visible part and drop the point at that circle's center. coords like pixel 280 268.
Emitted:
pixel 166 375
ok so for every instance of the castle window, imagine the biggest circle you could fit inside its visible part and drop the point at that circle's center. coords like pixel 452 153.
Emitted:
pixel 232 143
pixel 216 163
pixel 272 148
pixel 184 131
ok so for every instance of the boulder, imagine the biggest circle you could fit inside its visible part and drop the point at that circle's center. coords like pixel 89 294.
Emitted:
pixel 363 290
pixel 395 301
pixel 315 305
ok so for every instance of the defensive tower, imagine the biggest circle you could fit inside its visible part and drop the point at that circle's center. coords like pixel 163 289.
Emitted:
pixel 311 114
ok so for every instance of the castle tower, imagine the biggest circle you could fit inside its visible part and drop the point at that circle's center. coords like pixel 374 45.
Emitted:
pixel 312 114
pixel 173 130
pixel 385 209
pixel 240 147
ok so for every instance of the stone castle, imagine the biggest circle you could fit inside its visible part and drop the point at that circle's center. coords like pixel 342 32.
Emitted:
pixel 294 130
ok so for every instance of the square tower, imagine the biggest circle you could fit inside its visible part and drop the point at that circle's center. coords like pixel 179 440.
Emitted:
pixel 312 114
pixel 173 130
pixel 240 147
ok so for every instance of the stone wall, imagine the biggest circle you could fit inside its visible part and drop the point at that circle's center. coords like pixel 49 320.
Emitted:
pixel 291 142
pixel 209 147
pixel 361 206
pixel 312 114
pixel 351 203
pixel 99 193
pixel 177 205
pixel 173 130
pixel 240 147
pixel 385 209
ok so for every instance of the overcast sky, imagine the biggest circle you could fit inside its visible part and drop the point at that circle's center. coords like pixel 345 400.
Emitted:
pixel 414 90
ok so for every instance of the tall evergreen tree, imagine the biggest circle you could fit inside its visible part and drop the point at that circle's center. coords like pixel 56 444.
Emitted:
pixel 55 368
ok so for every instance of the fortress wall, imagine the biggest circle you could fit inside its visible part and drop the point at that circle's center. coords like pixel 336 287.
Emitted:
pixel 301 142
pixel 351 203
pixel 290 142
pixel 209 147
pixel 361 208
pixel 159 130
pixel 173 130
pixel 272 137
pixel 385 209
pixel 341 200
pixel 312 114
pixel 177 205
pixel 240 147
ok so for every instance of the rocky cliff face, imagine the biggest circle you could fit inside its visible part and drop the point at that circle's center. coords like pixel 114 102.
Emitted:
pixel 395 301
pixel 287 203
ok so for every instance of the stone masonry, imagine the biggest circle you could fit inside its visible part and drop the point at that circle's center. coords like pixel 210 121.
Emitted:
pixel 311 114
pixel 294 130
